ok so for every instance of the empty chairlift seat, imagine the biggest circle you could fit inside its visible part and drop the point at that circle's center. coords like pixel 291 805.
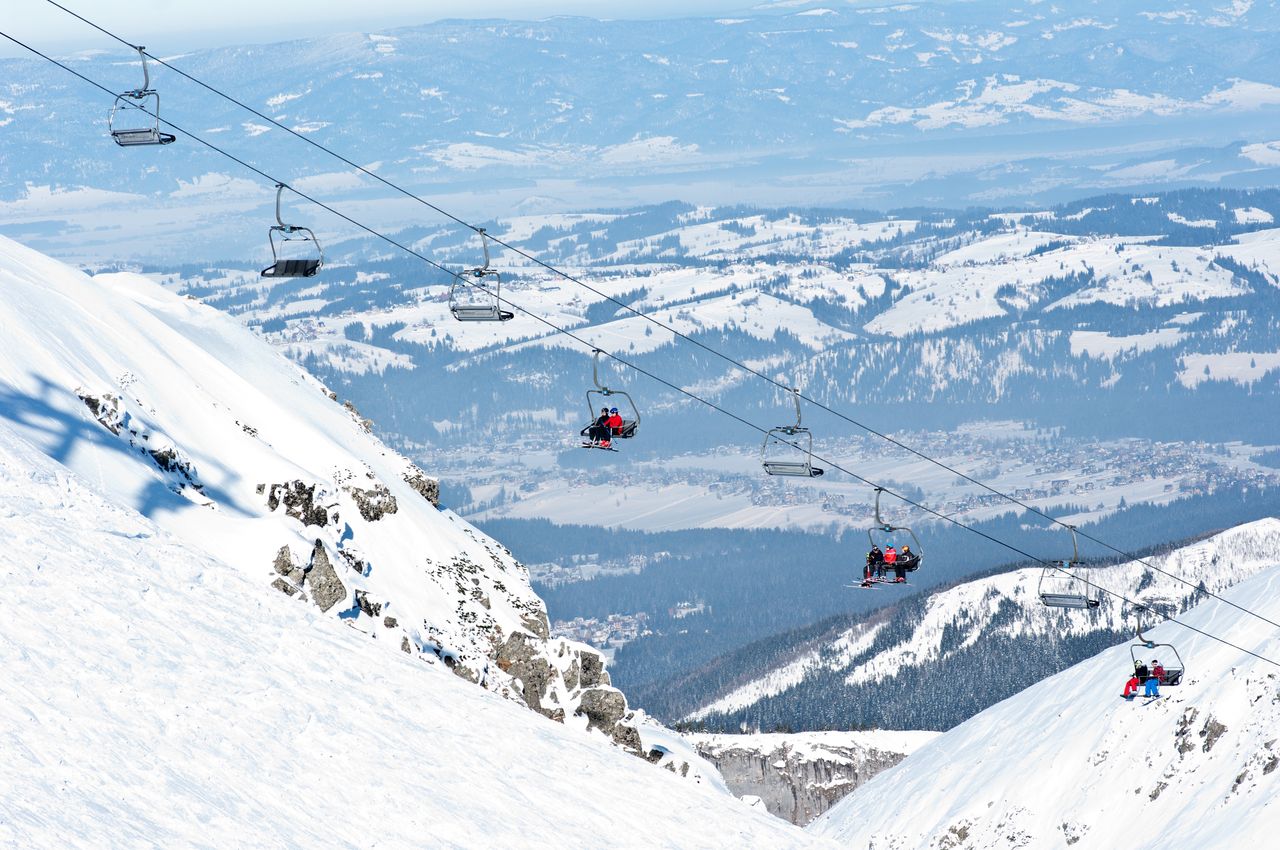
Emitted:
pixel 1066 584
pixel 292 239
pixel 135 116
pixel 788 449
pixel 476 294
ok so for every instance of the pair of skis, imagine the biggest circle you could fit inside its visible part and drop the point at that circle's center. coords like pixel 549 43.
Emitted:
pixel 870 584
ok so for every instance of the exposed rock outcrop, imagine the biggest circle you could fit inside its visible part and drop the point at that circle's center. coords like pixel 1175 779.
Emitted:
pixel 374 503
pixel 326 588
pixel 425 486
pixel 798 777
pixel 301 501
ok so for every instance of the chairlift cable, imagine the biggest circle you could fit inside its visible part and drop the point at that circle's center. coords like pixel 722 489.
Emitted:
pixel 647 317
pixel 688 393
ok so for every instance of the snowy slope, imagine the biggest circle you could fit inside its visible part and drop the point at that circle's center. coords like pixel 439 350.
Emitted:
pixel 175 410
pixel 1066 761
pixel 156 697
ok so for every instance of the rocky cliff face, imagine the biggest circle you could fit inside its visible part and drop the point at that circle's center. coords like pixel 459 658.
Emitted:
pixel 798 777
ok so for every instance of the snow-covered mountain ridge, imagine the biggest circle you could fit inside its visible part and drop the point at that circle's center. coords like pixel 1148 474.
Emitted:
pixel 861 103
pixel 1067 763
pixel 156 696
pixel 179 412
pixel 969 635
pixel 1111 297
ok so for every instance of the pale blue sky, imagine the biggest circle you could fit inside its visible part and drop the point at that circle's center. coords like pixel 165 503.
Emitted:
pixel 170 25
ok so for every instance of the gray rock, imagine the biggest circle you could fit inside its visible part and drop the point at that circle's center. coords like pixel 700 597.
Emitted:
pixel 603 708
pixel 299 502
pixel 593 672
pixel 372 609
pixel 425 486
pixel 571 675
pixel 390 622
pixel 284 561
pixel 286 587
pixel 405 646
pixel 374 503
pixel 519 656
pixel 796 788
pixel 326 588
pixel 537 624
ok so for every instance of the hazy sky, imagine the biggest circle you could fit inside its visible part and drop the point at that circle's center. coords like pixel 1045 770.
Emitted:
pixel 168 25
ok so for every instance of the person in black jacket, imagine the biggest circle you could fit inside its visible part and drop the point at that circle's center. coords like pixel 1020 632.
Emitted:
pixel 599 432
pixel 1140 670
pixel 875 563
pixel 907 560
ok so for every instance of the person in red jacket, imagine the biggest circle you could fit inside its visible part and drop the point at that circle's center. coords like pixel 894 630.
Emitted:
pixel 890 558
pixel 614 421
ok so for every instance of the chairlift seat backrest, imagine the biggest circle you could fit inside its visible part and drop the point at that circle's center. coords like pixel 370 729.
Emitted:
pixel 141 136
pixel 480 313
pixel 1067 600
pixel 795 468
pixel 292 268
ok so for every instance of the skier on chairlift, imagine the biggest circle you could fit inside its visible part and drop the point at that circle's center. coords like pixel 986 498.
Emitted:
pixel 875 563
pixel 906 560
pixel 614 422
pixel 600 434
pixel 1153 679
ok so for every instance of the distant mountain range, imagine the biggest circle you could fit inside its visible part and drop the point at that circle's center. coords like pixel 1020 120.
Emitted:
pixel 938 103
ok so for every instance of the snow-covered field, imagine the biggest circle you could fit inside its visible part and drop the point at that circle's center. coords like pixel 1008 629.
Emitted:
pixel 1066 762
pixel 154 696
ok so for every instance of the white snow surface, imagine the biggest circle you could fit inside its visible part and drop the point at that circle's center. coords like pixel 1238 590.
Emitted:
pixel 157 697
pixel 242 416
pixel 1067 762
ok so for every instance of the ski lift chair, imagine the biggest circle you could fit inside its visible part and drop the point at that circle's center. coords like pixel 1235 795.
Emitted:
pixel 144 129
pixel 1146 651
pixel 475 295
pixel 1067 585
pixel 629 425
pixel 782 454
pixel 279 235
pixel 882 527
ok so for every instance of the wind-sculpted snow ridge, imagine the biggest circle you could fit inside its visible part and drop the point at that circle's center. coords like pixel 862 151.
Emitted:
pixel 996 617
pixel 1067 763
pixel 156 696
pixel 177 411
